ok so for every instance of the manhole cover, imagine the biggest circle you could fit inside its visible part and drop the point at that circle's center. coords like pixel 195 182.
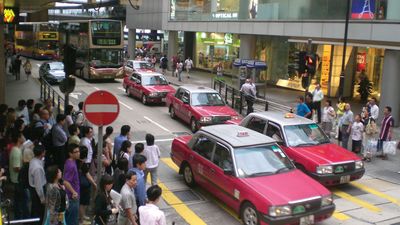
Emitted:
pixel 187 196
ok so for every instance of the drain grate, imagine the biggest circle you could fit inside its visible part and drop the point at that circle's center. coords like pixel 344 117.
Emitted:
pixel 187 195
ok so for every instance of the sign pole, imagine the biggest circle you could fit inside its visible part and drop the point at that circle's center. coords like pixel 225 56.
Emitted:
pixel 99 154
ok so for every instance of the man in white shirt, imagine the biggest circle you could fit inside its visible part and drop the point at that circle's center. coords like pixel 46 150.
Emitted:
pixel 188 66
pixel 318 96
pixel 87 142
pixel 374 108
pixel 150 214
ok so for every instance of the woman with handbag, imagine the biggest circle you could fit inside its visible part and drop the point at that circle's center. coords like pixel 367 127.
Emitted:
pixel 105 209
pixel 368 135
pixel 27 68
pixel 56 197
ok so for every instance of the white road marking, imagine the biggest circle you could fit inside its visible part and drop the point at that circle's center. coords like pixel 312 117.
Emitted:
pixel 75 95
pixel 38 65
pixel 157 124
pixel 104 108
pixel 127 106
pixel 122 89
pixel 156 140
pixel 96 88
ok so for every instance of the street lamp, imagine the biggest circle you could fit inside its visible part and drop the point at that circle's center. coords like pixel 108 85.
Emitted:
pixel 346 29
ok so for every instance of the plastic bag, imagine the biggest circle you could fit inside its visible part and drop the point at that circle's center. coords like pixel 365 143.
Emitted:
pixel 389 147
pixel 371 147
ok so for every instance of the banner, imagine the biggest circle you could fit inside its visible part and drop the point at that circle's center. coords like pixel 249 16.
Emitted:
pixel 363 9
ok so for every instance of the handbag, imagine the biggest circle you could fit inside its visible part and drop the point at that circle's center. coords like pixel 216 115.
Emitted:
pixel 389 147
pixel 371 128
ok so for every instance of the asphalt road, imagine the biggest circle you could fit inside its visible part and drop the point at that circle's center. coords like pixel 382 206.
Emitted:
pixel 367 201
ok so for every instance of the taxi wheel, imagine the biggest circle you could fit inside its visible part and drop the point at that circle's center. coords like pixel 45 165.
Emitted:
pixel 144 99
pixel 172 112
pixel 249 214
pixel 188 175
pixel 193 125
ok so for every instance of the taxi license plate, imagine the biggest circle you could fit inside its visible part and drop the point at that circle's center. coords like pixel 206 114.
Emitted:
pixel 307 220
pixel 345 179
pixel 163 99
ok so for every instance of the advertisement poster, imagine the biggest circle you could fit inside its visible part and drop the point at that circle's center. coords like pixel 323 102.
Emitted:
pixel 325 68
pixel 361 61
pixel 363 9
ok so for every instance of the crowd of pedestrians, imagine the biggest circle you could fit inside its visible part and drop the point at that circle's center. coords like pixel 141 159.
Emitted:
pixel 366 139
pixel 49 162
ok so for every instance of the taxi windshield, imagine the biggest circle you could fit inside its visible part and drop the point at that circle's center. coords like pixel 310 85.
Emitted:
pixel 261 161
pixel 154 80
pixel 207 99
pixel 305 135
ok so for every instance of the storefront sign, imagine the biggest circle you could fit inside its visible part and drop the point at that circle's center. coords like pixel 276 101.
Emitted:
pixel 363 9
pixel 325 68
pixel 231 15
pixel 48 36
pixel 361 61
pixel 11 15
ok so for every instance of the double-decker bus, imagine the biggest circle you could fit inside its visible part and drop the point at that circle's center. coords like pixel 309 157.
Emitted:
pixel 99 44
pixel 37 40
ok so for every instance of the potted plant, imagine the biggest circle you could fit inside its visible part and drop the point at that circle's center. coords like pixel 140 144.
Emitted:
pixel 365 88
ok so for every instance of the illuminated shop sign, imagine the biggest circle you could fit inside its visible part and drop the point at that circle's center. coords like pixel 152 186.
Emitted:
pixel 220 15
pixel 11 15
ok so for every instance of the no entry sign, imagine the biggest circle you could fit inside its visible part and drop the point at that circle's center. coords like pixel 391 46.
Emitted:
pixel 101 108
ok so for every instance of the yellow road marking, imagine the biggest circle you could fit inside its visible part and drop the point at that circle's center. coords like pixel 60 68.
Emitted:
pixel 340 216
pixel 171 164
pixel 375 192
pixel 357 201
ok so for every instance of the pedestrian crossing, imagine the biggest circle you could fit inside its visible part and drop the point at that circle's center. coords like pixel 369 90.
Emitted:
pixel 351 199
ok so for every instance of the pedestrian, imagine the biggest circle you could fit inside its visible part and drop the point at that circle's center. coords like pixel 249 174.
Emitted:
pixel 370 130
pixel 69 111
pixel 36 113
pixel 17 67
pixel 179 69
pixel 73 130
pixel 220 70
pixel 30 104
pixel 386 133
pixel 48 104
pixel 71 182
pixel 152 153
pixel 118 140
pixel 249 93
pixel 139 148
pixel 108 151
pixel 328 116
pixel 175 61
pixel 150 214
pixel 105 209
pixel 27 68
pixel 15 164
pixel 357 129
pixel 139 165
pixel 153 61
pixel 86 141
pixel 318 96
pixel 59 139
pixel 339 113
pixel 310 104
pixel 86 181
pixel 164 64
pixel 302 109
pixel 119 174
pixel 127 216
pixel 373 108
pixel 56 197
pixel 126 150
pixel 79 117
pixel 345 125
pixel 188 66
pixel 23 112
pixel 37 181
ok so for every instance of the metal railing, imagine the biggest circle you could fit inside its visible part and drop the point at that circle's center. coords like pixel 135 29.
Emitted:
pixel 235 98
pixel 48 92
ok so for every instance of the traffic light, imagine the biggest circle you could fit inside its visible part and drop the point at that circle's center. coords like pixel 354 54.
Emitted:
pixel 311 63
pixel 302 62
pixel 69 60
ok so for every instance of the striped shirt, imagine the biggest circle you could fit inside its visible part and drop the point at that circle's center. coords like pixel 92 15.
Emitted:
pixel 387 123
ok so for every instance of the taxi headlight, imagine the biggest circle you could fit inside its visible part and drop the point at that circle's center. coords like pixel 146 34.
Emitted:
pixel 327 200
pixel 277 211
pixel 359 164
pixel 153 94
pixel 206 119
pixel 324 169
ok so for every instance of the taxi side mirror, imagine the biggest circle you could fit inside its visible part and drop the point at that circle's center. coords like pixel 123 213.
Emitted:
pixel 138 81
pixel 185 100
pixel 228 172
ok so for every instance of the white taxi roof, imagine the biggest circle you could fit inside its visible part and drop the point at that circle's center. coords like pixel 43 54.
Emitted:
pixel 282 118
pixel 237 136
pixel 149 73
pixel 198 89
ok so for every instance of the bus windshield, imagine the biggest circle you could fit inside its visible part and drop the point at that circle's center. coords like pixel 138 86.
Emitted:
pixel 106 33
pixel 48 45
pixel 106 58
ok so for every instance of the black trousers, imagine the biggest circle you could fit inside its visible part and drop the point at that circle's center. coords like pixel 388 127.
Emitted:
pixel 318 108
pixel 250 102
pixel 37 208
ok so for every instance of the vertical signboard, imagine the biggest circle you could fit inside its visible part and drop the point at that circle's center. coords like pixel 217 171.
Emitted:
pixel 363 9
pixel 325 67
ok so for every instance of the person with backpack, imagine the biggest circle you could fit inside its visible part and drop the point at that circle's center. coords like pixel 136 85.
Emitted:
pixel 164 64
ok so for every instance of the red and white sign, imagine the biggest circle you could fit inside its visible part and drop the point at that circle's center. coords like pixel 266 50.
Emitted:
pixel 101 108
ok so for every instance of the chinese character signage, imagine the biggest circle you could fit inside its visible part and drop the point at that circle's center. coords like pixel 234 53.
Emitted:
pixel 11 15
pixel 363 9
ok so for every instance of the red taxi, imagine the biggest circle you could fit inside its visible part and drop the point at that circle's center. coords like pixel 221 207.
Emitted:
pixel 251 174
pixel 200 106
pixel 308 146
pixel 137 66
pixel 150 87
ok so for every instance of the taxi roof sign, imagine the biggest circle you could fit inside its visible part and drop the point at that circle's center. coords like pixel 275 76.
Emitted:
pixel 242 134
pixel 290 115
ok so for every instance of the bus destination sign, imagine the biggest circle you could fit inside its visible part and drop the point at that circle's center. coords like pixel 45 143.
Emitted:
pixel 106 41
pixel 48 35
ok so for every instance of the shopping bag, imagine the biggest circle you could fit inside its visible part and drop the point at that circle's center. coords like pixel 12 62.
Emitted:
pixel 389 147
pixel 371 147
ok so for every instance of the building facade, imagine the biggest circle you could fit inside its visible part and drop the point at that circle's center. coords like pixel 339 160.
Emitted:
pixel 276 31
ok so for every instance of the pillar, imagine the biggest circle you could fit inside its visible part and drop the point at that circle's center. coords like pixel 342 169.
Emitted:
pixel 2 67
pixel 131 43
pixel 390 91
pixel 189 43
pixel 172 46
pixel 247 46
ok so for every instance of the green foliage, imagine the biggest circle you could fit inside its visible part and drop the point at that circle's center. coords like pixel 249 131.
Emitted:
pixel 365 88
